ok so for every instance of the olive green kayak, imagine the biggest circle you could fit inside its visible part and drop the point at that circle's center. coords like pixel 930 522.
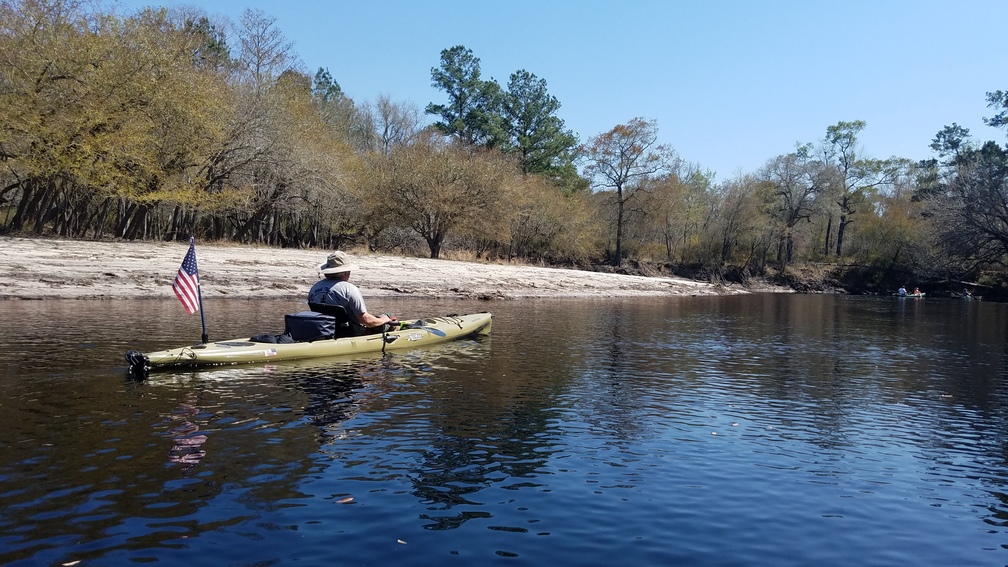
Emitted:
pixel 410 334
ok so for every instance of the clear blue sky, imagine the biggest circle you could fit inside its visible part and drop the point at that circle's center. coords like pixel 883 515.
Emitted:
pixel 731 83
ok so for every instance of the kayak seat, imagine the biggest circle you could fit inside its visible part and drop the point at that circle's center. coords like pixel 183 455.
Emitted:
pixel 345 326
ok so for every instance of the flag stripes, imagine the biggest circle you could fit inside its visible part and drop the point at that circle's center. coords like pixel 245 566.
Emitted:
pixel 186 284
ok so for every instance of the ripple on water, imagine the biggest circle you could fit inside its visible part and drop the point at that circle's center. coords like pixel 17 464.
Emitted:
pixel 785 431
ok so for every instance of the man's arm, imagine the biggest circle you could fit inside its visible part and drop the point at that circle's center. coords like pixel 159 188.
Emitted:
pixel 370 321
pixel 356 304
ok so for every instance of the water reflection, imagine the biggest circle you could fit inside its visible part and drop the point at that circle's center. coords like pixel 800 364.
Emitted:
pixel 185 436
pixel 498 440
pixel 332 401
pixel 693 430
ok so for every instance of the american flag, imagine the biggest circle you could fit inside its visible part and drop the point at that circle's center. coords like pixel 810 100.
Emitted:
pixel 186 284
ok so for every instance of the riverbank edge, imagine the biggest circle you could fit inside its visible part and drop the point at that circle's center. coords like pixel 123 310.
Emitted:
pixel 50 268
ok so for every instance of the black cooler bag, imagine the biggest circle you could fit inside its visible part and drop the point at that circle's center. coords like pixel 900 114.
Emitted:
pixel 309 326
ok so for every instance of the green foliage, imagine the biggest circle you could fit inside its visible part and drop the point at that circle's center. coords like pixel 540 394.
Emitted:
pixel 535 133
pixel 211 51
pixel 472 113
pixel 998 100
pixel 324 88
pixel 521 121
pixel 951 141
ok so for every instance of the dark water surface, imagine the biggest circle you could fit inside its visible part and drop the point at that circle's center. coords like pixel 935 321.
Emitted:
pixel 761 430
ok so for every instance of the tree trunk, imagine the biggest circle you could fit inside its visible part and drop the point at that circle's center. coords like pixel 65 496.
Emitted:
pixel 783 254
pixel 434 243
pixel 102 217
pixel 36 209
pixel 619 227
pixel 27 193
pixel 841 227
pixel 136 223
pixel 789 247
pixel 829 231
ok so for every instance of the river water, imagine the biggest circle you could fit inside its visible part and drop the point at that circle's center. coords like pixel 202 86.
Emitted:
pixel 749 430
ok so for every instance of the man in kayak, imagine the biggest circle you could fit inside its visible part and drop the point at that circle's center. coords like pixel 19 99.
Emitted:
pixel 336 289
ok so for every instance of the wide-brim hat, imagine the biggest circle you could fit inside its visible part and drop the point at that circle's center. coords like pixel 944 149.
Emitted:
pixel 337 262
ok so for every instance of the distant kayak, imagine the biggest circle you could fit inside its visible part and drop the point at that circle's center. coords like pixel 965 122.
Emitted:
pixel 910 295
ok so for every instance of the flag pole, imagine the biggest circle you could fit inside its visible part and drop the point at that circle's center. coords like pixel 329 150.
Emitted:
pixel 199 294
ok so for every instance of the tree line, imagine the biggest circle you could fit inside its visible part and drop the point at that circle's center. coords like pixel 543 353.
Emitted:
pixel 164 123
